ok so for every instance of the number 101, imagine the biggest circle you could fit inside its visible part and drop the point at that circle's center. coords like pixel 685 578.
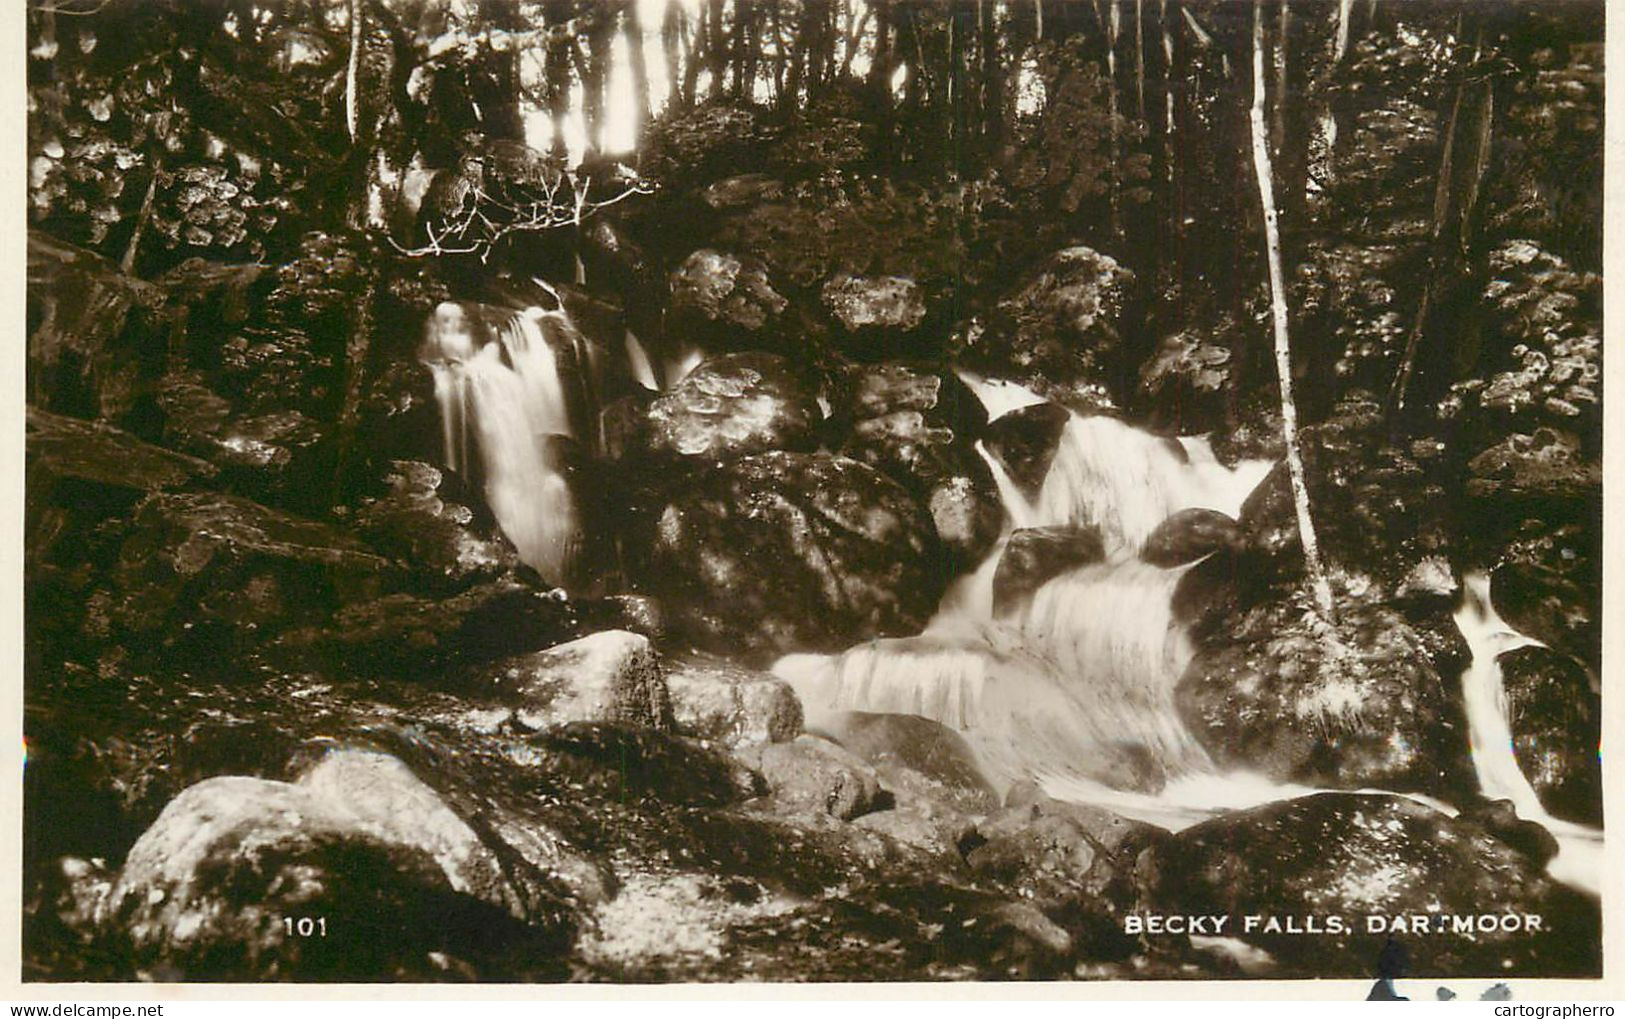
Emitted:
pixel 306 926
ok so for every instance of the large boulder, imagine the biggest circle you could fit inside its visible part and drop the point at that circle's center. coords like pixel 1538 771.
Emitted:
pixel 726 301
pixel 395 884
pixel 1024 442
pixel 1548 583
pixel 1061 331
pixel 1033 556
pixel 731 406
pixel 1279 692
pixel 715 700
pixel 1373 867
pixel 1189 535
pixel 611 676
pixel 815 776
pixel 1556 718
pixel 876 314
pixel 787 551
pixel 1548 464
pixel 918 424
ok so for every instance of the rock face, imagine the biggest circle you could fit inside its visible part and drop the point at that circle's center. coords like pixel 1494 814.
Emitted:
pixel 785 551
pixel 1033 556
pixel 438 540
pixel 209 888
pixel 1543 465
pixel 1556 722
pixel 733 406
pixel 1549 582
pixel 1061 331
pixel 1189 535
pixel 725 300
pixel 1025 440
pixel 87 323
pixel 875 313
pixel 714 700
pixel 918 425
pixel 813 775
pixel 1363 708
pixel 1357 856
pixel 612 676
pixel 210 572
pixel 410 636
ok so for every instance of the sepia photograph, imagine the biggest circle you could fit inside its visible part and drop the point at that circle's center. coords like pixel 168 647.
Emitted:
pixel 862 492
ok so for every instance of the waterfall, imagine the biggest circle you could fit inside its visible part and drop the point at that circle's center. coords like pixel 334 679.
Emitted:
pixel 1075 690
pixel 1580 848
pixel 503 395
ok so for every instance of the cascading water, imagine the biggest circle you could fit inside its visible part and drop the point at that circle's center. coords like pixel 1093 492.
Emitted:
pixel 505 397
pixel 1579 858
pixel 1074 688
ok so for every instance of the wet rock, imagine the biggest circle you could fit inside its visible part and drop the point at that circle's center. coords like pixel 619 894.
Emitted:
pixel 1183 384
pixel 742 192
pixel 930 748
pixel 388 801
pixel 918 424
pixel 214 572
pixel 205 892
pixel 1357 856
pixel 935 781
pixel 876 313
pixel 1548 464
pixel 1282 694
pixel 786 551
pixel 725 300
pixel 1036 555
pixel 1500 818
pixel 1012 940
pixel 276 456
pixel 1556 717
pixel 414 637
pixel 82 474
pixel 1548 585
pixel 714 700
pixel 1025 441
pixel 636 612
pixel 1189 535
pixel 92 331
pixel 612 676
pixel 733 406
pixel 437 539
pixel 1061 330
pixel 813 775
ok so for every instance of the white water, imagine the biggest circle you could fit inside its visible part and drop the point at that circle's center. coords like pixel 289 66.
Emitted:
pixel 504 396
pixel 1580 848
pixel 1075 689
pixel 1068 689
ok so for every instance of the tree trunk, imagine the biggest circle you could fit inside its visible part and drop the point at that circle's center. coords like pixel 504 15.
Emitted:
pixel 352 69
pixel 637 61
pixel 142 218
pixel 1319 585
pixel 1114 23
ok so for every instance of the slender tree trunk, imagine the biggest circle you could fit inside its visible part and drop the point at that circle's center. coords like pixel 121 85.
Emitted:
pixel 1038 20
pixel 1113 25
pixel 671 42
pixel 352 69
pixel 1340 47
pixel 142 218
pixel 880 75
pixel 637 61
pixel 1139 59
pixel 1319 585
